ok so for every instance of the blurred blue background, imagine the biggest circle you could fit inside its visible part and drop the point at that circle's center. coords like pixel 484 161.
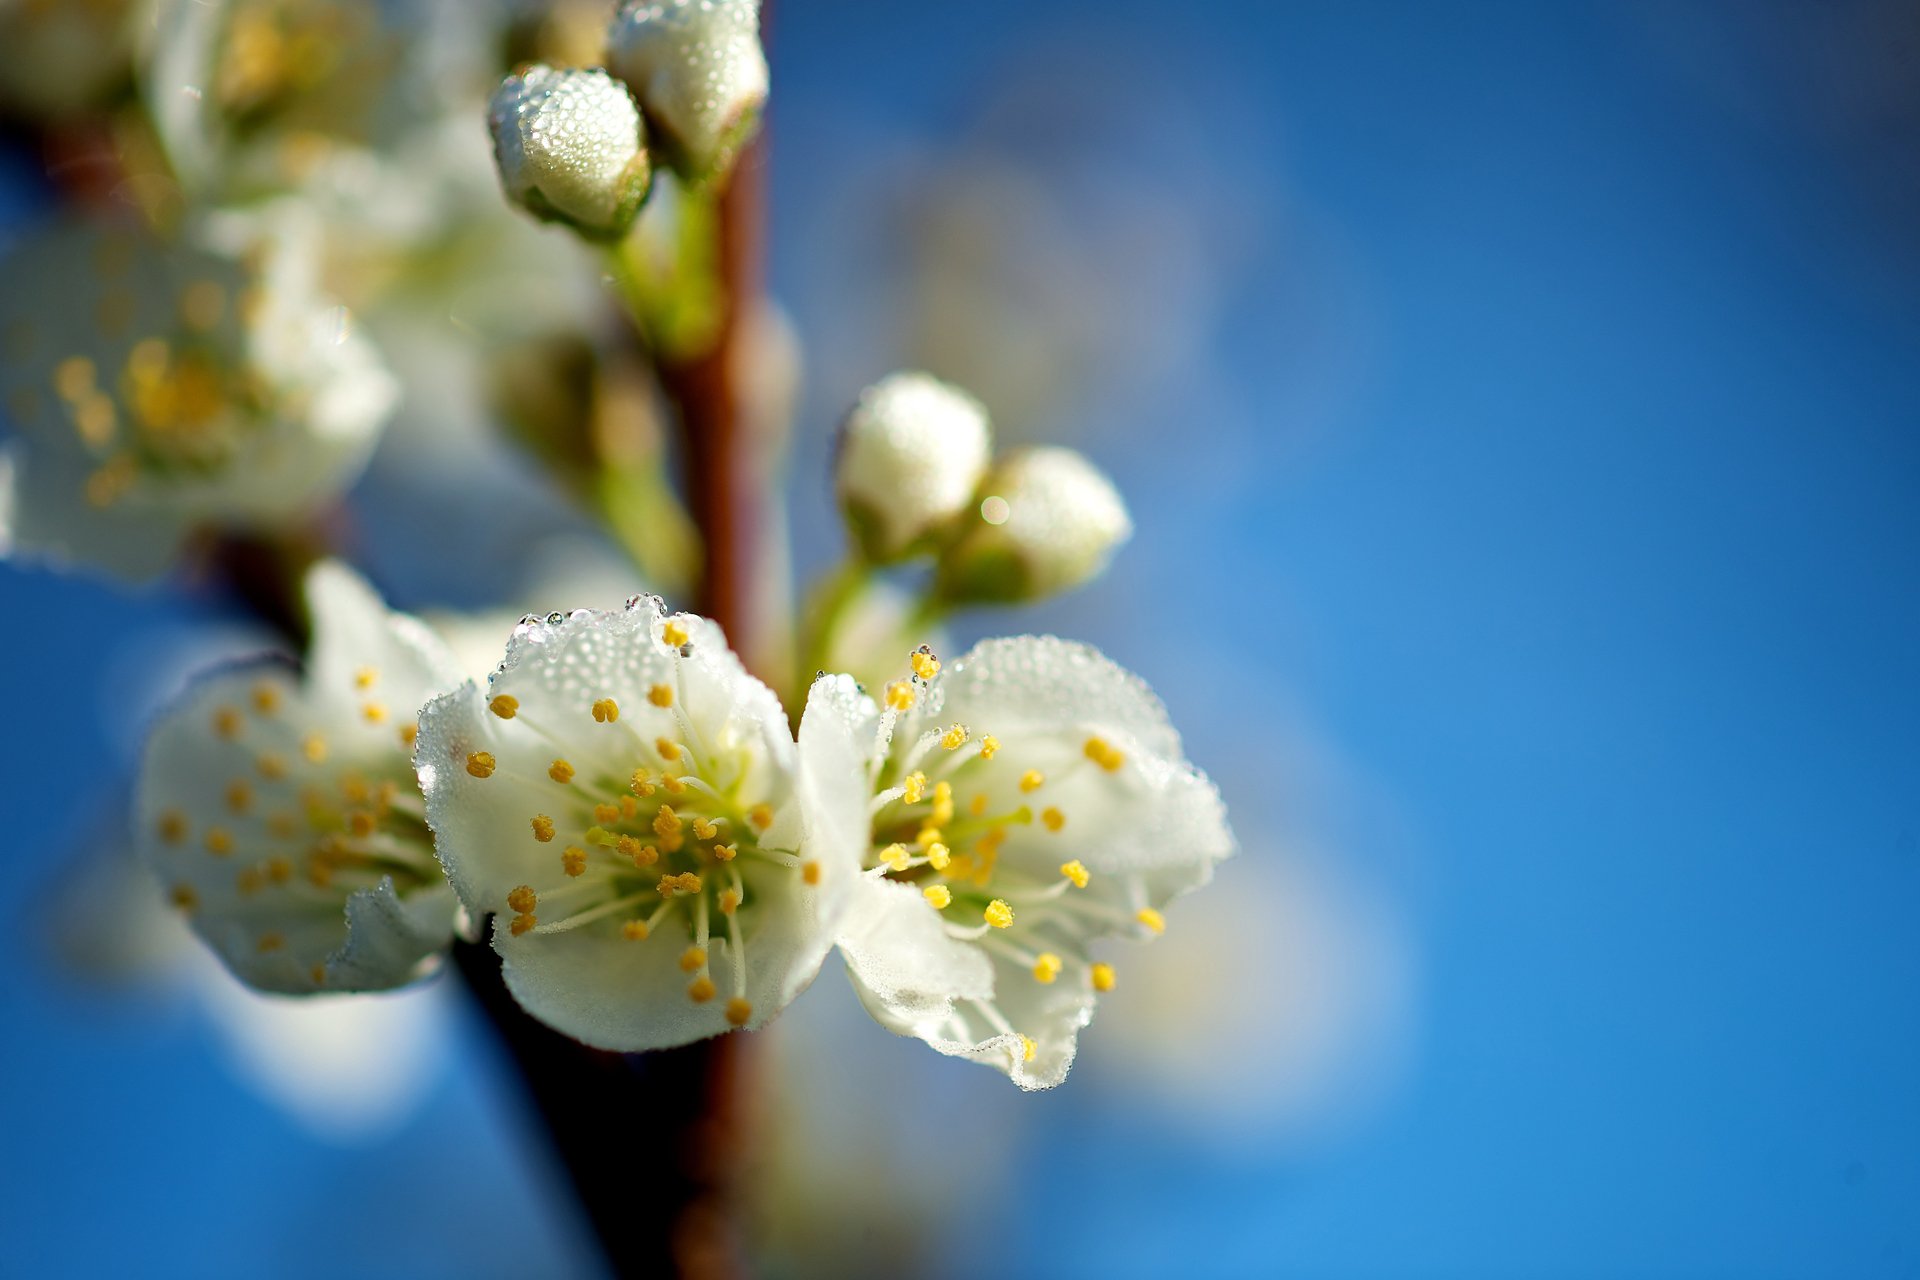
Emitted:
pixel 1520 409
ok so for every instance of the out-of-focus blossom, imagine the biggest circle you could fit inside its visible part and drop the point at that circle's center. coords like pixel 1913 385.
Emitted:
pixel 1048 521
pixel 570 148
pixel 626 801
pixel 911 452
pixel 698 71
pixel 159 388
pixel 58 57
pixel 1029 802
pixel 282 815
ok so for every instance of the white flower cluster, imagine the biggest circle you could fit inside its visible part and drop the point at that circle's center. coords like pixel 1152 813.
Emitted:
pixel 662 858
pixel 688 80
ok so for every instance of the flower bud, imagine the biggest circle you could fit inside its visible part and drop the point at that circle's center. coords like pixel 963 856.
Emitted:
pixel 911 452
pixel 571 148
pixel 697 70
pixel 1048 521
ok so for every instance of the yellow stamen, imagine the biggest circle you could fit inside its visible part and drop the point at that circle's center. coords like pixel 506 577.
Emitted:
pixel 667 747
pixel 666 823
pixel 270 942
pixel 409 732
pixel 672 634
pixel 661 695
pixel 953 739
pixel 895 856
pixel 701 989
pixel 364 678
pixel 939 895
pixel 989 745
pixel 374 713
pixel 481 764
pixel 1032 780
pixel 573 860
pixel 900 696
pixel 760 817
pixel 1075 871
pixel 1103 978
pixel 219 841
pixel 729 902
pixel 266 698
pixel 704 828
pixel 635 930
pixel 1052 819
pixel 1104 754
pixel 999 914
pixel 942 805
pixel 504 705
pixel 693 958
pixel 938 856
pixel 542 828
pixel 924 664
pixel 739 1011
pixel 523 899
pixel 1154 921
pixel 978 805
pixel 725 852
pixel 184 897
pixel 314 748
pixel 641 781
pixel 1047 966
pixel 629 808
pixel 606 813
pixel 226 722
pixel 521 923
pixel 173 826
pixel 606 711
pixel 560 771
pixel 361 823
pixel 916 787
pixel 810 872
pixel 1030 1049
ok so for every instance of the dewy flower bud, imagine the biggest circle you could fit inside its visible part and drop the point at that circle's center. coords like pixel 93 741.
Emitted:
pixel 911 453
pixel 697 70
pixel 1048 521
pixel 570 148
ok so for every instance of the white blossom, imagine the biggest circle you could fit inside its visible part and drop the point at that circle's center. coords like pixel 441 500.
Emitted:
pixel 282 816
pixel 697 69
pixel 1028 802
pixel 158 388
pixel 1048 521
pixel 570 148
pixel 626 801
pixel 911 453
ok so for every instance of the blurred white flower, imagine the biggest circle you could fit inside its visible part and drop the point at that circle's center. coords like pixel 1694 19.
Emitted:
pixel 697 69
pixel 570 148
pixel 282 816
pixel 1048 521
pixel 911 452
pixel 1028 802
pixel 626 801
pixel 158 388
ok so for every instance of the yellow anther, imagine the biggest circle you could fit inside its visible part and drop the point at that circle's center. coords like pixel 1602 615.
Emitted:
pixel 725 852
pixel 318 975
pixel 523 899
pixel 249 881
pixel 672 634
pixel 542 828
pixel 606 711
pixel 354 788
pixel 409 732
pixel 319 873
pixel 927 837
pixel 1104 754
pixel 924 664
pixel 314 748
pixel 729 902
pixel 361 823
pixel 266 698
pixel 282 824
pixel 279 870
pixel 938 856
pixel 989 745
pixel 939 895
pixel 810 872
pixel 270 942
pixel 521 923
pixel 667 747
pixel 226 722
pixel 641 781
pixel 73 377
pixel 1103 978
pixel 219 841
pixel 629 808
pixel 1154 921
pixel 1029 1048
pixel 739 1011
pixel 760 817
pixel 184 897
pixel 685 882
pixel 661 695
pixel 704 828
pixel 271 767
pixel 364 678
pixel 635 930
pixel 900 696
pixel 374 713
pixel 1047 966
pixel 1032 780
pixel 505 705
pixel 916 787
pixel 701 989
pixel 673 784
pixel 560 771
pixel 573 860
pixel 978 805
pixel 481 764
pixel 1075 871
pixel 955 738
pixel 895 856
pixel 693 958
pixel 173 826
pixel 942 804
pixel 666 822
pixel 606 813
pixel 999 914
pixel 201 304
pixel 1052 819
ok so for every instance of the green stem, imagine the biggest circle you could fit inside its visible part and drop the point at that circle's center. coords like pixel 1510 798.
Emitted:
pixel 833 596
